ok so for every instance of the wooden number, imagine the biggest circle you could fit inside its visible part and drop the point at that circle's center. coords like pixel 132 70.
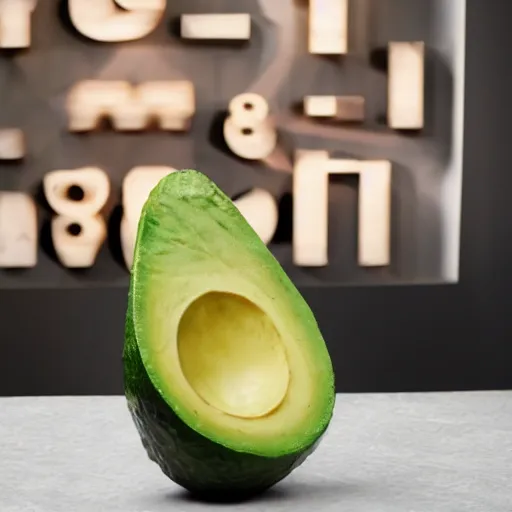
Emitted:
pixel 77 242
pixel 310 226
pixel 77 193
pixel 260 210
pixel 18 230
pixel 116 21
pixel 137 185
pixel 248 130
pixel 12 144
pixel 340 108
pixel 406 85
pixel 216 26
pixel 77 196
pixel 328 26
pixel 171 103
pixel 15 26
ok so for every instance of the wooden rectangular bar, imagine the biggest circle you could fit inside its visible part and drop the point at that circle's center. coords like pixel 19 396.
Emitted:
pixel 406 85
pixel 216 26
pixel 310 208
pixel 328 26
pixel 374 213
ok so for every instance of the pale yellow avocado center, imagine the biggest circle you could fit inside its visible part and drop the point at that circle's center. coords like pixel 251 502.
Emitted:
pixel 232 355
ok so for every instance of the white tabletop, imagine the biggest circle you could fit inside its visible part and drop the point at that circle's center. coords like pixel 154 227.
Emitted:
pixel 447 452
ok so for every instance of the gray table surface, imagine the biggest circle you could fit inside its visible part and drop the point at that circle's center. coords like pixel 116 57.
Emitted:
pixel 397 453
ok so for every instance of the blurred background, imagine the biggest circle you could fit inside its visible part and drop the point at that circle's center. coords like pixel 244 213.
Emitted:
pixel 85 91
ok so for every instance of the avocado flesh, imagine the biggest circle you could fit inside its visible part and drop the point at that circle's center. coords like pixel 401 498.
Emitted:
pixel 227 376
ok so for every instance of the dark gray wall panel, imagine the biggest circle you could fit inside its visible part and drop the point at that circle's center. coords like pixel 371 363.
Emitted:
pixel 382 338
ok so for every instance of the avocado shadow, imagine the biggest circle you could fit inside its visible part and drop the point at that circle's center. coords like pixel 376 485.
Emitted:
pixel 328 491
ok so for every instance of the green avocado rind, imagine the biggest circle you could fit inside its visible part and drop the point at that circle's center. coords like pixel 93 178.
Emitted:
pixel 187 457
pixel 199 465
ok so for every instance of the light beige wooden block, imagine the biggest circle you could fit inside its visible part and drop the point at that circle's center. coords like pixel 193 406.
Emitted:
pixel 310 214
pixel 320 106
pixel 248 130
pixel 12 144
pixel 260 210
pixel 77 193
pixel 137 186
pixel 77 242
pixel 131 108
pixel 18 230
pixel 103 20
pixel 342 108
pixel 15 23
pixel 374 213
pixel 310 194
pixel 328 26
pixel 406 76
pixel 216 26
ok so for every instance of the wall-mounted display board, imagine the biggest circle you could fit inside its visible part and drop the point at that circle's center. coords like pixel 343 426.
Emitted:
pixel 338 122
pixel 342 95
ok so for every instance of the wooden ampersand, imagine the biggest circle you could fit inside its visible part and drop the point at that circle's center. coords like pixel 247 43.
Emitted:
pixel 248 130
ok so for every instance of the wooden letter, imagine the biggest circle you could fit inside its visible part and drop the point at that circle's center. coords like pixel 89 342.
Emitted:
pixel 137 185
pixel 216 26
pixel 79 193
pixel 310 226
pixel 12 144
pixel 15 24
pixel 328 26
pixel 103 20
pixel 260 210
pixel 171 103
pixel 342 108
pixel 248 130
pixel 406 85
pixel 77 242
pixel 18 230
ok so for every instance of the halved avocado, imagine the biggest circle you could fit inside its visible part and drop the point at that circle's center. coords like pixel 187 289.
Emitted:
pixel 227 376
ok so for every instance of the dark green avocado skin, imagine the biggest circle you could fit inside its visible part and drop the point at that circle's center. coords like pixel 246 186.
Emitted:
pixel 210 471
